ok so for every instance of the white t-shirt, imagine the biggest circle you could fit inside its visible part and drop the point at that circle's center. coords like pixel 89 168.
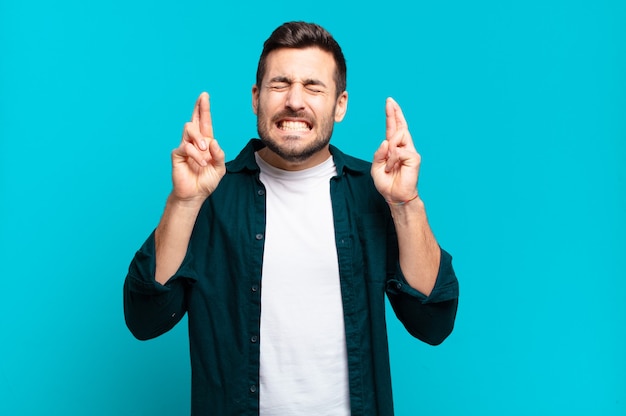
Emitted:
pixel 303 369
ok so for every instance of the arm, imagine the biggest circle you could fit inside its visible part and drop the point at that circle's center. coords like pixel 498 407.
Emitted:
pixel 395 171
pixel 420 254
pixel 197 168
pixel 154 299
pixel 428 318
pixel 424 295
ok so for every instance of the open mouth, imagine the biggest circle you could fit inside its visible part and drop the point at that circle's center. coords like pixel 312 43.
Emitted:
pixel 294 125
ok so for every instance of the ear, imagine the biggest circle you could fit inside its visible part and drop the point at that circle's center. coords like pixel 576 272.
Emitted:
pixel 341 106
pixel 255 99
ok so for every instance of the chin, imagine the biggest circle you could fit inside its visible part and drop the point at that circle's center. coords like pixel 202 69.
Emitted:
pixel 292 150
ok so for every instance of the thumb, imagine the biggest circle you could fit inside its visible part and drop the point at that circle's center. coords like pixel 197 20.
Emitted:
pixel 382 153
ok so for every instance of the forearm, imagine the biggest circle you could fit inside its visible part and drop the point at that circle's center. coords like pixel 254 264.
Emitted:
pixel 173 234
pixel 419 252
pixel 150 308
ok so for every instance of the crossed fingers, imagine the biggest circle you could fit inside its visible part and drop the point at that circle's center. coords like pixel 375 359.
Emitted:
pixel 400 145
pixel 198 133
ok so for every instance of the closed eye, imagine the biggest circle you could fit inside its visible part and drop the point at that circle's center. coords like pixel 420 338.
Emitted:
pixel 278 86
pixel 314 89
pixel 314 86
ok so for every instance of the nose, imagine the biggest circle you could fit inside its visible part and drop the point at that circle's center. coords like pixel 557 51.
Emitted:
pixel 295 97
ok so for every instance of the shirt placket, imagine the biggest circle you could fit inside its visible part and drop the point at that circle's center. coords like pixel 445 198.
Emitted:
pixel 257 235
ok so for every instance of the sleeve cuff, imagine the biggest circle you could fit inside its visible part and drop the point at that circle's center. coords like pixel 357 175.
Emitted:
pixel 446 285
pixel 142 270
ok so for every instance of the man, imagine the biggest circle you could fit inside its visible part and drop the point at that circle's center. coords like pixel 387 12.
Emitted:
pixel 282 257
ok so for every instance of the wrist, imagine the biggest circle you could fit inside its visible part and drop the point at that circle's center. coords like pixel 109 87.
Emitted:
pixel 409 210
pixel 192 203
pixel 404 202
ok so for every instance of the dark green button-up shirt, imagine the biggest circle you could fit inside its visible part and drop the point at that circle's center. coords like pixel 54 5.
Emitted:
pixel 219 286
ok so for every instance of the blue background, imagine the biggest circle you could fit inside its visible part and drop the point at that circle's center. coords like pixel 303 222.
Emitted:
pixel 518 109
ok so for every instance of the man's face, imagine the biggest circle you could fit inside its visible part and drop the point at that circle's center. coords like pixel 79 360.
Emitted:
pixel 296 107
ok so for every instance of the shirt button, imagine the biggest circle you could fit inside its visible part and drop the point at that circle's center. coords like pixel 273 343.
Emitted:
pixel 260 192
pixel 254 288
pixel 254 338
pixel 259 236
pixel 398 285
pixel 253 389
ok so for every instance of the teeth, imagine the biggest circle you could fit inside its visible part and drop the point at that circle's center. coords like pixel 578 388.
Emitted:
pixel 294 126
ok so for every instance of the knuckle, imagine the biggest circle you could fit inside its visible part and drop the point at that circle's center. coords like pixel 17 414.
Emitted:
pixel 189 148
pixel 189 129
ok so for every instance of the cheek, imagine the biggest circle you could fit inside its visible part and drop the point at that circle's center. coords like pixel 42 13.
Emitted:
pixel 268 105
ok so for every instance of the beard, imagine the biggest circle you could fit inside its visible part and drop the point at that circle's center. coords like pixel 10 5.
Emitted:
pixel 291 149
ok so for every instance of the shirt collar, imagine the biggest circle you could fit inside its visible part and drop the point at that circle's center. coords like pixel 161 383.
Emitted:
pixel 245 160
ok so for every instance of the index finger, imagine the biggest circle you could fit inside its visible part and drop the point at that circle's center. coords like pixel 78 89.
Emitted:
pixel 202 115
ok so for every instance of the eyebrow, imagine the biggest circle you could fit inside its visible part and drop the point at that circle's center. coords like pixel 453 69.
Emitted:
pixel 308 81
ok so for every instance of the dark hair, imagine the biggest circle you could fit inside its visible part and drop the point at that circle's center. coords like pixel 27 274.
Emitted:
pixel 300 35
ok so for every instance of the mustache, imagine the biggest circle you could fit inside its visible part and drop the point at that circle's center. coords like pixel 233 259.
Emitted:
pixel 293 114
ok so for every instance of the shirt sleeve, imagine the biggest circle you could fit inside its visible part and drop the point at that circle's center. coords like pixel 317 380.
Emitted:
pixel 151 309
pixel 428 318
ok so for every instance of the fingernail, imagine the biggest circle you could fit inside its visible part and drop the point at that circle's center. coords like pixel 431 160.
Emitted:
pixel 203 144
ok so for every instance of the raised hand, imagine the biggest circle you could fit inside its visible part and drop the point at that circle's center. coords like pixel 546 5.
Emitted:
pixel 396 164
pixel 198 162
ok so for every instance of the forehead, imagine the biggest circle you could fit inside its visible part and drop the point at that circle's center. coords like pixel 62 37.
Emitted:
pixel 299 64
